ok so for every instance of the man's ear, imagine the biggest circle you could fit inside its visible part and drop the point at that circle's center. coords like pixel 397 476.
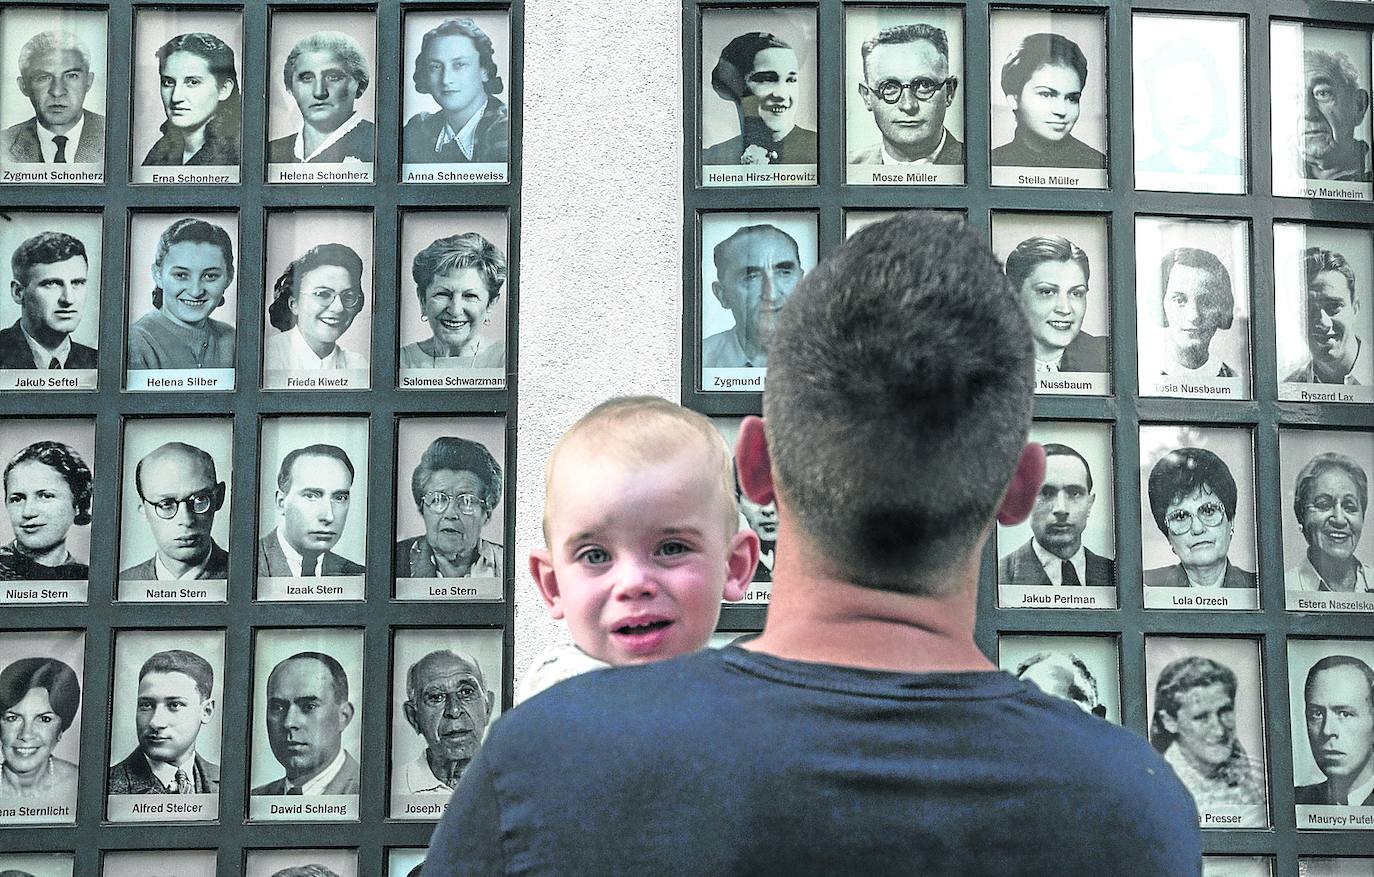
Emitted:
pixel 715 290
pixel 753 462
pixel 16 292
pixel 207 710
pixel 740 564
pixel 1019 499
pixel 281 499
pixel 346 712
pixel 219 497
pixel 546 579
pixel 868 97
pixel 411 718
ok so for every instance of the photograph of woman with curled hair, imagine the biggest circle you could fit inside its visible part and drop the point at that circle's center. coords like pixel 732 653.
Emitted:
pixel 455 486
pixel 48 489
pixel 39 699
pixel 314 302
pixel 458 281
pixel 1050 274
pixel 198 82
pixel 456 68
pixel 1043 80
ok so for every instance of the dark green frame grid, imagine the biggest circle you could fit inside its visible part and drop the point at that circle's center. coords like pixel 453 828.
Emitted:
pixel 379 615
pixel 1125 411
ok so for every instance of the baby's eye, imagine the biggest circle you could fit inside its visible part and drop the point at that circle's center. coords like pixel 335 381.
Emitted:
pixel 673 548
pixel 595 556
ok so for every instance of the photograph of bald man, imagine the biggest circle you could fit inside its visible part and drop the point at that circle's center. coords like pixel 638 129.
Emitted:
pixel 1338 699
pixel 179 494
pixel 447 703
pixel 174 704
pixel 757 267
pixel 1055 554
pixel 48 280
pixel 313 492
pixel 307 711
pixel 55 74
pixel 908 87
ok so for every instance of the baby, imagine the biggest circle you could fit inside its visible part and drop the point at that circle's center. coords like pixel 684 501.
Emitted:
pixel 643 538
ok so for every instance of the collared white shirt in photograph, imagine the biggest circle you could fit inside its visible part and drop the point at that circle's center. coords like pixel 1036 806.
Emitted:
pixel 419 778
pixel 1358 794
pixel 315 785
pixel 338 134
pixel 1053 564
pixel 48 145
pixel 166 575
pixel 293 557
pixel 167 773
pixel 1304 577
pixel 466 138
pixel 1361 372
pixel 289 351
pixel 42 356
pixel 892 161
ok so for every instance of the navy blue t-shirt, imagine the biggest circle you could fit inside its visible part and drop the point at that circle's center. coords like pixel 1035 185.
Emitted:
pixel 732 762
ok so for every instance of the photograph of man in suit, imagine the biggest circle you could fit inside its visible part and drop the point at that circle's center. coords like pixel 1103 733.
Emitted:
pixel 757 268
pixel 313 491
pixel 325 73
pixel 907 87
pixel 178 495
pixel 457 68
pixel 1336 353
pixel 307 711
pixel 1333 107
pixel 1339 702
pixel 1055 554
pixel 174 703
pixel 448 703
pixel 55 75
pixel 48 282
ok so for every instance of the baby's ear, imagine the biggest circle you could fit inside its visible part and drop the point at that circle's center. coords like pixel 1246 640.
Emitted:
pixel 740 564
pixel 541 568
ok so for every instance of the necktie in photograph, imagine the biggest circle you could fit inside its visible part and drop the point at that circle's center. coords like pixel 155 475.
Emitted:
pixel 183 782
pixel 309 565
pixel 294 790
pixel 54 364
pixel 61 143
pixel 1067 574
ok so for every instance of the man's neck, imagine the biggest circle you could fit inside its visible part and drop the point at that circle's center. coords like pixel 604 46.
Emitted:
pixel 446 772
pixel 46 338
pixel 916 151
pixel 179 568
pixel 754 353
pixel 1341 786
pixel 59 129
pixel 1334 371
pixel 1338 162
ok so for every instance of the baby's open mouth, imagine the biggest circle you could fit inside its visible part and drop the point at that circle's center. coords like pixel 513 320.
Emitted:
pixel 647 627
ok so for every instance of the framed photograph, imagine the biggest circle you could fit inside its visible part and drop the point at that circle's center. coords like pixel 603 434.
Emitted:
pixel 1197 517
pixel 1084 670
pixel 181 334
pixel 1205 699
pixel 750 263
pixel 1323 866
pixel 320 268
pixel 48 492
pixel 312 548
pixel 1319 85
pixel 37 864
pixel 1325 478
pixel 404 862
pixel 450 514
pixel 50 321
pixel 1049 99
pixel 1190 103
pixel 455 97
pixel 762 519
pixel 855 219
pixel 758 97
pixel 1237 866
pixel 1064 555
pixel 42 674
pixel 165 726
pixel 307 731
pixel 904 110
pixel 1193 307
pixel 52 95
pixel 321 122
pixel 301 863
pixel 174 510
pixel 1324 325
pixel 1058 264
pixel 186 74
pixel 453 326
pixel 445 691
pixel 163 863
pixel 1331 708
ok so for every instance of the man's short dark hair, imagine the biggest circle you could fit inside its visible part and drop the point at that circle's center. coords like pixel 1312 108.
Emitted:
pixel 900 352
pixel 1055 449
pixel 314 869
pixel 900 35
pixel 1221 298
pixel 336 671
pixel 1184 471
pixel 1331 662
pixel 1040 50
pixel 460 27
pixel 1316 260
pixel 44 248
pixel 182 661
pixel 333 452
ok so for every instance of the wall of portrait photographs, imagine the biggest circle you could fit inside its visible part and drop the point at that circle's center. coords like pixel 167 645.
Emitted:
pixel 1182 198
pixel 256 310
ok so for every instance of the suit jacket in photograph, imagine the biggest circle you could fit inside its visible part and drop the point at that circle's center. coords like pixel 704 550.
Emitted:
pixel 346 783
pixel 133 776
pixel 1175 577
pixel 216 567
pixel 952 152
pixel 1085 353
pixel 490 142
pixel 1320 793
pixel 15 352
pixel 1022 568
pixel 357 145
pixel 20 142
pixel 272 560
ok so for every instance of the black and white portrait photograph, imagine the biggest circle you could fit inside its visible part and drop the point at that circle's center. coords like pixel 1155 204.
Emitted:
pixel 1325 484
pixel 1064 555
pixel 163 863
pixel 165 726
pixel 1323 280
pixel 857 218
pixel 450 518
pixel 762 519
pixel 453 302
pixel 1197 517
pixel 1189 78
pixel 49 486
pixel 321 122
pixel 1084 670
pixel 404 862
pixel 50 320
pixel 1049 99
pixel 1331 710
pixel 187 113
pixel 52 95
pixel 1237 866
pixel 1205 700
pixel 41 678
pixel 312 508
pixel 174 510
pixel 1193 307
pixel 182 313
pixel 301 863
pixel 36 865
pixel 758 97
pixel 307 724
pixel 445 691
pixel 904 108
pixel 1320 86
pixel 1057 263
pixel 455 97
pixel 319 314
pixel 750 263
pixel 1321 866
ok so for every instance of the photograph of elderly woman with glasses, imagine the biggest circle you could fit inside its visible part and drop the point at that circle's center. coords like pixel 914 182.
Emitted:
pixel 455 487
pixel 1329 501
